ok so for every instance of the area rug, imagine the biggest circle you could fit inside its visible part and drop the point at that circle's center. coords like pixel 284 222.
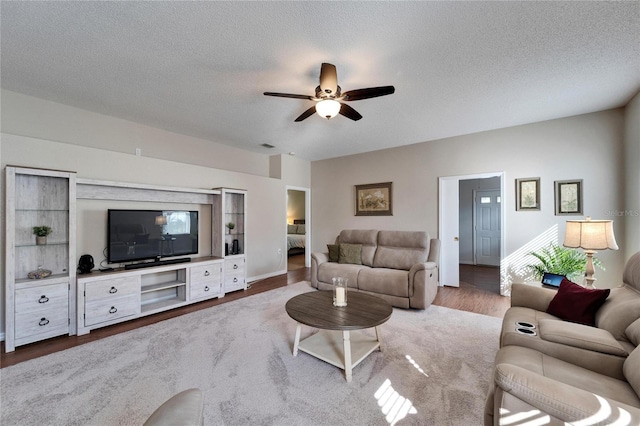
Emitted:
pixel 434 369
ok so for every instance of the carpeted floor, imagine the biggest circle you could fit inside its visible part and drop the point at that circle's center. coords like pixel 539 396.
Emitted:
pixel 434 369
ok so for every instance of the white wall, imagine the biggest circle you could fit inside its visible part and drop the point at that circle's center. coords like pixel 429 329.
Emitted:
pixel 631 209
pixel 587 147
pixel 38 118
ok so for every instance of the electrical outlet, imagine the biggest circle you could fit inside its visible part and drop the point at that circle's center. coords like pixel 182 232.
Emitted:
pixel 138 151
pixel 279 251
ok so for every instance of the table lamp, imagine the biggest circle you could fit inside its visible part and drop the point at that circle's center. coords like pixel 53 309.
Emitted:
pixel 590 235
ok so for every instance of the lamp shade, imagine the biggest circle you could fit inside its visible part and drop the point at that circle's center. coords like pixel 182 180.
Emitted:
pixel 328 108
pixel 161 220
pixel 590 234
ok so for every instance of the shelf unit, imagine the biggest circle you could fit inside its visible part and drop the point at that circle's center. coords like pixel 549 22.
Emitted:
pixel 106 298
pixel 231 243
pixel 37 309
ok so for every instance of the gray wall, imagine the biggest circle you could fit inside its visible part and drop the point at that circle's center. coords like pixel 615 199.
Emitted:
pixel 588 147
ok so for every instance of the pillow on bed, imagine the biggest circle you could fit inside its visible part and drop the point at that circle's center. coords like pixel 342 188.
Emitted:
pixel 292 229
pixel 300 229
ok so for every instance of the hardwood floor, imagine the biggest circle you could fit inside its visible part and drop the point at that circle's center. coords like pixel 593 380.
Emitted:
pixel 467 298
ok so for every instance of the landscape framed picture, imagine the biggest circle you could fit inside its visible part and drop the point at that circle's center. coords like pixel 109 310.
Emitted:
pixel 528 194
pixel 568 197
pixel 374 199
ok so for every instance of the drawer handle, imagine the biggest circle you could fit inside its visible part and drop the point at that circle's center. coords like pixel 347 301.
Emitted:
pixel 113 290
pixel 206 288
pixel 235 266
pixel 235 280
pixel 43 322
pixel 113 310
pixel 43 299
pixel 206 273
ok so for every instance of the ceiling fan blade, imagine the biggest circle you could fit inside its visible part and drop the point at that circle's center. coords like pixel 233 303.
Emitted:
pixel 328 79
pixel 308 113
pixel 349 112
pixel 371 92
pixel 289 95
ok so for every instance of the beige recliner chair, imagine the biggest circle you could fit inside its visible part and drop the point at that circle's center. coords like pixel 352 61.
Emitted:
pixel 184 409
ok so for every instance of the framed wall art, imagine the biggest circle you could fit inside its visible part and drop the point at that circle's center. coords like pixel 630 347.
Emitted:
pixel 528 194
pixel 568 197
pixel 374 199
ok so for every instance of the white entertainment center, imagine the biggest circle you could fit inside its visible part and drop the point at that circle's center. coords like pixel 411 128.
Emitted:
pixel 63 303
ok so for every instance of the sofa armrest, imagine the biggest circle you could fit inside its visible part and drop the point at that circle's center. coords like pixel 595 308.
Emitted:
pixel 528 296
pixel 560 400
pixel 423 284
pixel 580 336
pixel 317 259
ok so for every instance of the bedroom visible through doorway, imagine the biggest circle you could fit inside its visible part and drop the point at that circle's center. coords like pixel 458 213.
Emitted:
pixel 298 228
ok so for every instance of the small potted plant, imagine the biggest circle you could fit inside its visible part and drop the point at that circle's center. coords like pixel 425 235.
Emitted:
pixel 41 233
pixel 562 261
pixel 231 225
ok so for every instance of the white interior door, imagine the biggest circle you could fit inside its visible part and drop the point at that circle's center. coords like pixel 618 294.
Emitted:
pixel 487 208
pixel 449 231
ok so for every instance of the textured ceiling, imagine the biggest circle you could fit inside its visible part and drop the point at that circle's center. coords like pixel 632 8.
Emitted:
pixel 200 68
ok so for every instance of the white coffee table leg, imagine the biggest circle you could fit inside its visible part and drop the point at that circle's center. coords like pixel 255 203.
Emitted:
pixel 296 342
pixel 378 338
pixel 347 354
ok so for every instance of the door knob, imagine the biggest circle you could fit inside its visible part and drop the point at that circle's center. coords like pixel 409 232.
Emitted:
pixel 456 239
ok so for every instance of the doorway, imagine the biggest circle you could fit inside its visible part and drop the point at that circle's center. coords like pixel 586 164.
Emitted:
pixel 298 228
pixel 457 226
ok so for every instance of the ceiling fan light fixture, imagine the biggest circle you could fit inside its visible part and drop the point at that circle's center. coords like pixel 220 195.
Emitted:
pixel 328 108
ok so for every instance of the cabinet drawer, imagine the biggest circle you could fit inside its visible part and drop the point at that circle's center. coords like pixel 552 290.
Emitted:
pixel 47 322
pixel 233 266
pixel 234 281
pixel 203 290
pixel 205 274
pixel 110 289
pixel 45 297
pixel 107 310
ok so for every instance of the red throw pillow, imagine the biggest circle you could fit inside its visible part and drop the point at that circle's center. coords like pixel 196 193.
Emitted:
pixel 577 304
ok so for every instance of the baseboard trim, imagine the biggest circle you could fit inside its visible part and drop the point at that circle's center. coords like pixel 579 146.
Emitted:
pixel 466 262
pixel 251 280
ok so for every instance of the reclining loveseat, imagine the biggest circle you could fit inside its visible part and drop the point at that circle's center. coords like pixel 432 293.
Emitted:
pixel 398 266
pixel 552 371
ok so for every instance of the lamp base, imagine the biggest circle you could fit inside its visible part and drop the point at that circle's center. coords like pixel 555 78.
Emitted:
pixel 590 271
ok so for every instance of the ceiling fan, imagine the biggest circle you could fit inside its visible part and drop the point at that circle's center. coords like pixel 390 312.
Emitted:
pixel 329 97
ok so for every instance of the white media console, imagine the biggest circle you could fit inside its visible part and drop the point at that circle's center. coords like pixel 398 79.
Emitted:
pixel 106 298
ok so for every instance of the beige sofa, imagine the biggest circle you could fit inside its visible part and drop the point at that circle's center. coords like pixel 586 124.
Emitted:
pixel 398 266
pixel 569 372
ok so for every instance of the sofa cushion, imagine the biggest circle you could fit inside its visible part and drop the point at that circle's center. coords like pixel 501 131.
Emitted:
pixel 633 332
pixel 401 249
pixel 631 369
pixel 631 274
pixel 577 304
pixel 334 252
pixel 619 311
pixel 350 253
pixel 393 282
pixel 569 374
pixel 367 237
pixel 329 270
pixel 580 336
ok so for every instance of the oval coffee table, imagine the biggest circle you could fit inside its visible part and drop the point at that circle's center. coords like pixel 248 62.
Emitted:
pixel 335 343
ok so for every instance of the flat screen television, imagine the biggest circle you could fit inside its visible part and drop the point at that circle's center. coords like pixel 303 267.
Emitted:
pixel 151 234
